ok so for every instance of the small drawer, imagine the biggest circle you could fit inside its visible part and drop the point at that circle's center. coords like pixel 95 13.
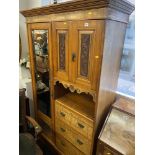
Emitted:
pixel 63 130
pixel 81 143
pixel 66 147
pixel 82 119
pixel 81 127
pixel 62 113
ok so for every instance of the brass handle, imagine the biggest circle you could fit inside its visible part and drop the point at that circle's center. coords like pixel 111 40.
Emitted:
pixel 62 129
pixel 79 142
pixel 80 125
pixel 62 114
pixel 73 56
pixel 62 143
pixel 108 153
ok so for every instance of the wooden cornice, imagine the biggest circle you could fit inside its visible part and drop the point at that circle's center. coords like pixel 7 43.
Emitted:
pixel 77 5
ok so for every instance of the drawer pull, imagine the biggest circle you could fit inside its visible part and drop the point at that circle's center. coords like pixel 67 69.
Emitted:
pixel 62 129
pixel 108 153
pixel 80 125
pixel 62 143
pixel 62 114
pixel 79 142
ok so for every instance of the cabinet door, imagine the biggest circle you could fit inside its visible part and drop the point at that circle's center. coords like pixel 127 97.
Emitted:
pixel 40 58
pixel 86 52
pixel 60 49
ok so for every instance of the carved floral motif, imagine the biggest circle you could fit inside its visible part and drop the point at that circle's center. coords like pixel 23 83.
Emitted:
pixel 84 58
pixel 62 51
pixel 73 88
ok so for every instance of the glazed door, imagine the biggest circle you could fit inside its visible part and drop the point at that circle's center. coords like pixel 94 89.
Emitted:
pixel 40 58
pixel 86 50
pixel 60 32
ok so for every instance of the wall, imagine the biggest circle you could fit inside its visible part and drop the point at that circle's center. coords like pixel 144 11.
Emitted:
pixel 25 4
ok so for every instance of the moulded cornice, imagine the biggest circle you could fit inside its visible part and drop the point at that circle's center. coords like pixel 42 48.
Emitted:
pixel 76 5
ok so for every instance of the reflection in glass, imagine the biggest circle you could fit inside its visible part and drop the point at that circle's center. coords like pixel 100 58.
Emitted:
pixel 40 49
pixel 126 81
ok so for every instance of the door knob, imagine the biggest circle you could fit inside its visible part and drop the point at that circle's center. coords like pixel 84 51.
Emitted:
pixel 73 56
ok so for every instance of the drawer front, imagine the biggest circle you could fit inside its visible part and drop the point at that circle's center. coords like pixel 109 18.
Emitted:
pixel 72 136
pixel 81 143
pixel 63 130
pixel 66 147
pixel 76 121
pixel 62 113
pixel 82 127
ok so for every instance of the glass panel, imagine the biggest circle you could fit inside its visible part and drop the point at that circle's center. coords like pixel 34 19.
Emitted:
pixel 40 49
pixel 126 81
pixel 84 58
pixel 62 51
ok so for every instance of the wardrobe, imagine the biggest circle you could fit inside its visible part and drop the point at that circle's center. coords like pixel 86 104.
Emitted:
pixel 75 52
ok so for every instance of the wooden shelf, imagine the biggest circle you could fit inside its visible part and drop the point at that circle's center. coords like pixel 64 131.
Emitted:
pixel 80 103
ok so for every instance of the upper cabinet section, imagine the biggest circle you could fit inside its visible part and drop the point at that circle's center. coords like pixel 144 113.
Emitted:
pixel 77 38
pixel 77 53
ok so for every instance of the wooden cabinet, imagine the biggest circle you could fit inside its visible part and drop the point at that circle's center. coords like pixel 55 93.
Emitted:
pixel 79 65
pixel 77 52
pixel 118 133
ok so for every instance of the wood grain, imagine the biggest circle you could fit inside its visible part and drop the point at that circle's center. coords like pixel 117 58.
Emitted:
pixel 120 5
pixel 106 23
pixel 118 133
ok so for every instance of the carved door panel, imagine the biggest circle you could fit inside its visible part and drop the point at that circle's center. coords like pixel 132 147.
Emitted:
pixel 87 50
pixel 60 50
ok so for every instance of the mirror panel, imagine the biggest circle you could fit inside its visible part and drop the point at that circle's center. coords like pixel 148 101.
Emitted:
pixel 41 67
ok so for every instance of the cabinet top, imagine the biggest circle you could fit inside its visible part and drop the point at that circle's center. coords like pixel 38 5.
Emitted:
pixel 118 132
pixel 77 5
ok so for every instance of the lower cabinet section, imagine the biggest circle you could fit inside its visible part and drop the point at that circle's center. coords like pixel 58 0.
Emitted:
pixel 76 139
pixel 66 147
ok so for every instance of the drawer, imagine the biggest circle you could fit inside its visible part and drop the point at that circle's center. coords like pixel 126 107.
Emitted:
pixel 81 127
pixel 66 147
pixel 75 120
pixel 82 118
pixel 108 152
pixel 62 113
pixel 63 130
pixel 81 143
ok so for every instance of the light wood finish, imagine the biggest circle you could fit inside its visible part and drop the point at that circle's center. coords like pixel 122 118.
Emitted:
pixel 78 104
pixel 73 31
pixel 106 23
pixel 73 137
pixel 60 28
pixel 118 132
pixel 72 115
pixel 100 14
pixel 66 147
pixel 94 28
pixel 62 113
pixel 120 5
